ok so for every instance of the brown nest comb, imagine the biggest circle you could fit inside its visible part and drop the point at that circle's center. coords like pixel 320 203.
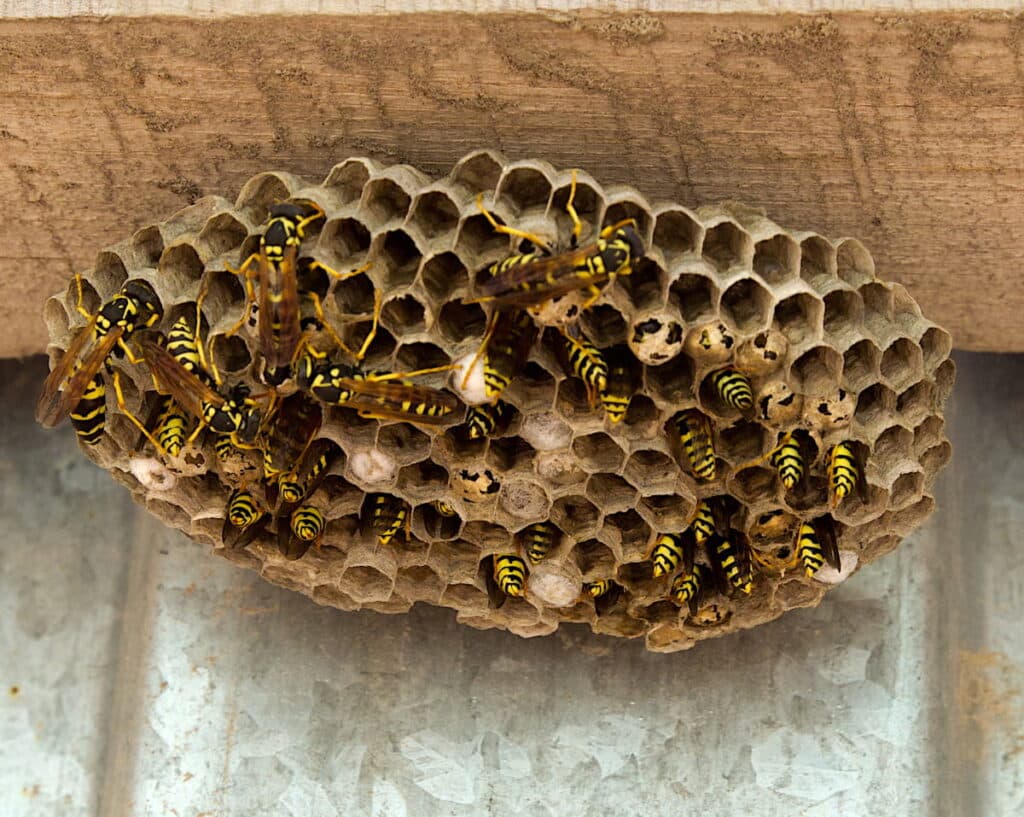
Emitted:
pixel 832 353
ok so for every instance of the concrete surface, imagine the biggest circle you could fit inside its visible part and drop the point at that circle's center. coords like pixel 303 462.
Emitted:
pixel 140 676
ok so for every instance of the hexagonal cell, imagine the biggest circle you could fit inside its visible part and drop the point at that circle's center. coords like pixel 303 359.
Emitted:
pixel 524 187
pixel 917 402
pixel 843 313
pixel 695 296
pixel 532 389
pixel 572 401
pixel 861 365
pixel 875 403
pixel 230 354
pixel 610 492
pixel 364 583
pixel 762 354
pixel 644 285
pixel 878 309
pixel 799 317
pixel 854 263
pixel 404 315
pixel 398 255
pixel 478 171
pixel 510 454
pixel 936 345
pixel 796 593
pixel 220 234
pixel 623 209
pixel 458 321
pixel 604 325
pixel 406 443
pixel 344 238
pixel 594 559
pixel 906 314
pixel 928 433
pixel 423 481
pixel 414 356
pixel 477 238
pixel 442 275
pixel 817 262
pixel 147 246
pixel 523 498
pixel 651 471
pixel 576 516
pixel 656 337
pixel 629 529
pixel 384 199
pixel 817 371
pixel 258 195
pixel 420 583
pixel 747 305
pixel 598 452
pixel 777 259
pixel 108 275
pixel 672 381
pixel 642 418
pixel 902 364
pixel 945 375
pixel 754 483
pixel 434 213
pixel 727 246
pixel 464 597
pixel 180 266
pixel 435 525
pixel 893 444
pixel 906 489
pixel 347 179
pixel 665 512
pixel 743 441
pixel 936 457
pixel 905 520
pixel 587 202
pixel 677 233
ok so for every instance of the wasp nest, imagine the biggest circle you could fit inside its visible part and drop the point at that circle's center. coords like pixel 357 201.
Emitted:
pixel 827 347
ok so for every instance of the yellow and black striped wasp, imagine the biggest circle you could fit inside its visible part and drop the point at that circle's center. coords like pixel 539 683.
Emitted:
pixel 620 383
pixel 301 524
pixel 389 515
pixel 604 593
pixel 694 443
pixel 245 517
pixel 505 349
pixel 846 473
pixel 279 319
pixel 690 587
pixel 539 539
pixel 730 554
pixel 734 388
pixel 305 529
pixel 791 458
pixel 508 578
pixel 579 357
pixel 76 387
pixel 487 419
pixel 816 544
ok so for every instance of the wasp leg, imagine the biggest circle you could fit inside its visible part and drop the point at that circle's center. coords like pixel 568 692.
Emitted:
pixel 480 352
pixel 123 406
pixel 250 292
pixel 80 297
pixel 339 276
pixel 595 293
pixel 537 241
pixel 611 228
pixel 381 378
pixel 577 225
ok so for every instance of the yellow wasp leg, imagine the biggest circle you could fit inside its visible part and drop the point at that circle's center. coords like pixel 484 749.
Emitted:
pixel 538 242
pixel 611 228
pixel 595 293
pixel 482 350
pixel 81 297
pixel 250 293
pixel 128 354
pixel 577 225
pixel 339 276
pixel 123 406
pixel 381 378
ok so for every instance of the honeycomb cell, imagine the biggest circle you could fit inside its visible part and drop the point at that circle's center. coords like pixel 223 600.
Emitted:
pixel 861 364
pixel 576 515
pixel 817 371
pixel 843 315
pixel 559 468
pixel 747 305
pixel 364 584
pixel 799 317
pixel 434 213
pixel 444 275
pixel 406 443
pixel 420 583
pixel 672 382
pixel 830 411
pixel 906 489
pixel 544 432
pixel 180 267
pixel 928 433
pixel 665 512
pixel 587 202
pixel 629 531
pixel 572 401
pixel 511 454
pixel 936 457
pixel 412 357
pixel 676 234
pixel 936 345
pixel 522 188
pixel 645 286
pixel 344 238
pixel 604 325
pixel 532 390
pixel 762 354
pixel 384 200
pixel 220 234
pixel 817 262
pixel 892 445
pixel 259 194
pixel 878 311
pixel 854 263
pixel 404 314
pixel 902 364
pixel 695 296
pixel 743 441
pixel 147 247
pixel 347 179
pixel 642 419
pixel 656 337
pixel 777 259
pixel 458 322
pixel 524 498
pixel 945 375
pixel 906 313
pixel 727 246
pixel 598 452
pixel 595 560
pixel 796 593
pixel 398 255
pixel 230 354
pixel 627 208
pixel 749 484
pixel 710 343
pixel 611 492
pixel 651 470
pixel 916 402
pixel 478 171
pixel 436 526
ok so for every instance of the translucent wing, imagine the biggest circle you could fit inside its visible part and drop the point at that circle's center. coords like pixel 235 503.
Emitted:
pixel 279 320
pixel 826 530
pixel 190 392
pixel 538 281
pixel 58 397
pixel 399 401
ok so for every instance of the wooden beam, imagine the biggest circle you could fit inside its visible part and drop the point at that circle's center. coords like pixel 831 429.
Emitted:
pixel 905 131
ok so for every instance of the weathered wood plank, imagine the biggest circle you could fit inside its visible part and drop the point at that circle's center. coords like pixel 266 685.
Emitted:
pixel 902 130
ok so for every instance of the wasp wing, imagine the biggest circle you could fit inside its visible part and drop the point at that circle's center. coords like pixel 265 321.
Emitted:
pixel 291 432
pixel 58 397
pixel 399 401
pixel 190 392
pixel 279 321
pixel 826 530
pixel 537 281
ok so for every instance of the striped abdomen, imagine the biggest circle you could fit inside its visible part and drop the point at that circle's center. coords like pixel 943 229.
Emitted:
pixel 703 522
pixel 507 351
pixel 788 461
pixel 308 523
pixel 695 438
pixel 181 343
pixel 510 574
pixel 482 420
pixel 734 388
pixel 292 488
pixel 669 551
pixel 809 549
pixel 223 447
pixel 843 471
pixel 538 539
pixel 172 428
pixel 389 516
pixel 444 508
pixel 90 413
pixel 597 589
pixel 586 363
pixel 686 588
pixel 729 560
pixel 617 393
pixel 243 509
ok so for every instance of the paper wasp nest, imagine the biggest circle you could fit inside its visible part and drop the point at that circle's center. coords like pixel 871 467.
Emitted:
pixel 828 348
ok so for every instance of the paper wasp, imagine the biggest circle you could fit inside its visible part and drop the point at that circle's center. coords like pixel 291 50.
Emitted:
pixel 816 544
pixel 845 473
pixel 689 587
pixel 76 386
pixel 389 515
pixel 694 443
pixel 245 517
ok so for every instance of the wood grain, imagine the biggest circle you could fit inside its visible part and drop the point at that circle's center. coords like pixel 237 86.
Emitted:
pixel 904 131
